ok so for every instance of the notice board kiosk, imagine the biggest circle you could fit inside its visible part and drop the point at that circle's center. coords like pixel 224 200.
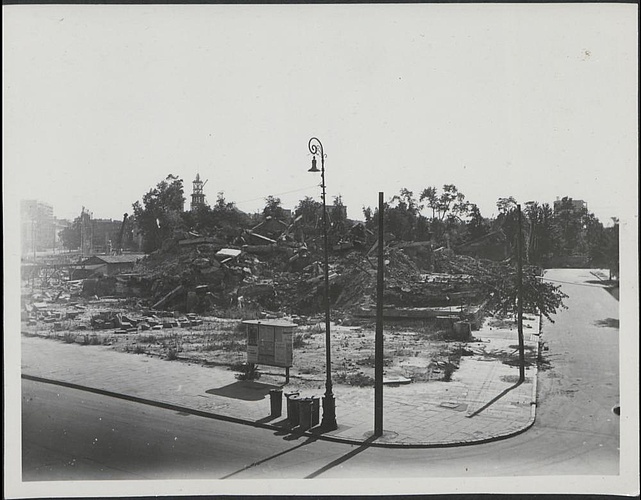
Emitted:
pixel 270 342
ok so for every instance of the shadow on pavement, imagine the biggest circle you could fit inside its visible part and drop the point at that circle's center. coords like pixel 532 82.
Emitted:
pixel 246 390
pixel 495 399
pixel 260 462
pixel 366 444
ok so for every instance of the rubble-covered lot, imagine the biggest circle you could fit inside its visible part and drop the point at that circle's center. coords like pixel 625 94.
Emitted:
pixel 420 352
pixel 186 302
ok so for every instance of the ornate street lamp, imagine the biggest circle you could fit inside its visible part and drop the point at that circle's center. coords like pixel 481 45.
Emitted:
pixel 329 404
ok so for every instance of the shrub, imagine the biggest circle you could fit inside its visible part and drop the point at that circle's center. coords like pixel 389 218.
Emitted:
pixel 448 371
pixel 249 371
pixel 172 354
pixel 69 338
pixel 299 341
pixel 358 379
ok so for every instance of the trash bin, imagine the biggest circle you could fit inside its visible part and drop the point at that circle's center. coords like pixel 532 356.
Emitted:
pixel 315 410
pixel 276 401
pixel 305 409
pixel 292 408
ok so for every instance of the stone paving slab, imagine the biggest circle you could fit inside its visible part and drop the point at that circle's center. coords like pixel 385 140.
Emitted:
pixel 482 401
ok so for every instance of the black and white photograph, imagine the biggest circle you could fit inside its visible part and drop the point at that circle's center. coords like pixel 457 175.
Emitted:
pixel 320 249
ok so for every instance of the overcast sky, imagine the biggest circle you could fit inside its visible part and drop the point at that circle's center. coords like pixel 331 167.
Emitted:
pixel 530 101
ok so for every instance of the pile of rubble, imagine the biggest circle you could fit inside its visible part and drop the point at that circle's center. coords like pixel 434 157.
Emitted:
pixel 148 321
pixel 199 274
pixel 203 274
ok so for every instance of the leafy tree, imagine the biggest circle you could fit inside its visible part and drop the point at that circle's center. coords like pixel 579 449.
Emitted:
pixel 539 221
pixel 224 219
pixel 403 217
pixel 337 221
pixel 449 207
pixel 228 219
pixel 160 213
pixel 70 236
pixel 477 226
pixel 569 224
pixel 310 212
pixel 273 208
pixel 539 296
pixel 449 204
pixel 507 220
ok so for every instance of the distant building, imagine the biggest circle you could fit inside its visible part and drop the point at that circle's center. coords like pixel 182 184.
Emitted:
pixel 37 227
pixel 577 205
pixel 107 265
pixel 101 235
pixel 197 195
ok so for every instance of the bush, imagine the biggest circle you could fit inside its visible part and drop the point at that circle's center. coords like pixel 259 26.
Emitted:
pixel 299 341
pixel 248 371
pixel 358 379
pixel 69 338
pixel 172 355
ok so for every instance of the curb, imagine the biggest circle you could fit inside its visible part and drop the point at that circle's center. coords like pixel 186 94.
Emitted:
pixel 316 433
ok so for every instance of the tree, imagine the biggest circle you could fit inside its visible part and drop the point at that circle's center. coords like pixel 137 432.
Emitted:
pixel 569 225
pixel 70 236
pixel 477 226
pixel 273 208
pixel 507 220
pixel 448 210
pixel 224 219
pixel 539 243
pixel 337 221
pixel 539 296
pixel 450 203
pixel 310 212
pixel 228 220
pixel 403 217
pixel 160 213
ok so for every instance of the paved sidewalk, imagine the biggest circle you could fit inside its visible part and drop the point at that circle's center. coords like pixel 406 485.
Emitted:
pixel 481 403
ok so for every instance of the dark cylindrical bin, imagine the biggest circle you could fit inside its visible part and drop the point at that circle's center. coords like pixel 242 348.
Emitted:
pixel 315 410
pixel 276 401
pixel 292 408
pixel 305 409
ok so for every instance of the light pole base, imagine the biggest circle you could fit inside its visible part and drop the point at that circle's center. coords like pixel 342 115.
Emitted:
pixel 329 413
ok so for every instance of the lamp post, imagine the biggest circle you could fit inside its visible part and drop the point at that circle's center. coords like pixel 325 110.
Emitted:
pixel 329 404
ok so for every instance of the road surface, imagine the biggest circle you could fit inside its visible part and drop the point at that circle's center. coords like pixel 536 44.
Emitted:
pixel 70 434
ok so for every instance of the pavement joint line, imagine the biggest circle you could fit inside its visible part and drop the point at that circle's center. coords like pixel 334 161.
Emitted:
pixel 312 433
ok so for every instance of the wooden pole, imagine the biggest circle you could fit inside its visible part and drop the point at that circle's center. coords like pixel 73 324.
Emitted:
pixel 519 284
pixel 378 344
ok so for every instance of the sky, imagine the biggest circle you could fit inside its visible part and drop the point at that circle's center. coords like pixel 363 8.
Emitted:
pixel 532 101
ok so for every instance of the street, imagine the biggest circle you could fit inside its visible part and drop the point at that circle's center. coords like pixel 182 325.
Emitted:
pixel 71 435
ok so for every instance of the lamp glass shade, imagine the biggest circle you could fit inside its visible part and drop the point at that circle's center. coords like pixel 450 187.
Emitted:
pixel 314 168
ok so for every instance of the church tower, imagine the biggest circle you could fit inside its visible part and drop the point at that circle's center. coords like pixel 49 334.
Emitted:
pixel 197 195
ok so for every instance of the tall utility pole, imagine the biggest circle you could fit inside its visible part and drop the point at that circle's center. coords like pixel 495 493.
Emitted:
pixel 378 343
pixel 519 285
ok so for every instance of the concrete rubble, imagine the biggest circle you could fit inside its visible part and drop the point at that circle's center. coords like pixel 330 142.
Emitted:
pixel 174 299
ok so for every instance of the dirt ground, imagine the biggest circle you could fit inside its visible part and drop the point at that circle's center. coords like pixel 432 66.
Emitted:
pixel 417 350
